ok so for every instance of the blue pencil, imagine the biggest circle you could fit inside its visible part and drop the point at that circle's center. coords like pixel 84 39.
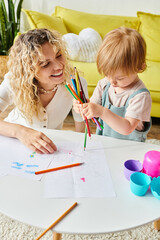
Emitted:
pixel 74 84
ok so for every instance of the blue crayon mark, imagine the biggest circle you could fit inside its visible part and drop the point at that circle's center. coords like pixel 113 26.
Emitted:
pixel 18 164
pixel 16 167
pixel 32 165
pixel 31 155
pixel 31 172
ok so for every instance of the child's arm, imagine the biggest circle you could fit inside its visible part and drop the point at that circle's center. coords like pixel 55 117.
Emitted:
pixel 76 106
pixel 121 125
pixel 35 140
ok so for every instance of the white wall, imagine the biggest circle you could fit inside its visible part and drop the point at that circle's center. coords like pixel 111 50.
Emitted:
pixel 112 7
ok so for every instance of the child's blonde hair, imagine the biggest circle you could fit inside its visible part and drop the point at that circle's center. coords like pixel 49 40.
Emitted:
pixel 122 49
pixel 24 57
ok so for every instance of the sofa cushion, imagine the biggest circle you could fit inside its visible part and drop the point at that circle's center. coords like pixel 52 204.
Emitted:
pixel 150 29
pixel 40 20
pixel 75 21
pixel 151 78
pixel 83 47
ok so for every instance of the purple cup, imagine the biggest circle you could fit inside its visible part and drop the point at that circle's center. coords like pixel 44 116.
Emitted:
pixel 132 166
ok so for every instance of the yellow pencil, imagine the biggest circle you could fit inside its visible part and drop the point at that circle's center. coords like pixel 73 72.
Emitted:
pixel 77 81
pixel 58 220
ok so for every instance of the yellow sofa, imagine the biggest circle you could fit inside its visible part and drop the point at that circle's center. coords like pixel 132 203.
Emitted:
pixel 70 21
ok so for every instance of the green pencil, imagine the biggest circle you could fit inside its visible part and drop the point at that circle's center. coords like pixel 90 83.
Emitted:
pixel 70 91
pixel 85 137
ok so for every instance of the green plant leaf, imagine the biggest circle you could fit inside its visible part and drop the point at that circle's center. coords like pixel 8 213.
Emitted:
pixel 4 10
pixel 19 15
pixel 9 24
pixel 11 12
pixel 3 30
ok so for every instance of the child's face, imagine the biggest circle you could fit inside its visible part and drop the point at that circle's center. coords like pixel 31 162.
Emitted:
pixel 122 80
pixel 51 69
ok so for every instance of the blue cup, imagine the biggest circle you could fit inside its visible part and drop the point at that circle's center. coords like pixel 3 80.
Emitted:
pixel 139 183
pixel 155 187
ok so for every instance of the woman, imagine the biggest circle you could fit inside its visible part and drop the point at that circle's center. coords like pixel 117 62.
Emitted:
pixel 38 71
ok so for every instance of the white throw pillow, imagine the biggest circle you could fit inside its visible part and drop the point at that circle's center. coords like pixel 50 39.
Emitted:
pixel 83 47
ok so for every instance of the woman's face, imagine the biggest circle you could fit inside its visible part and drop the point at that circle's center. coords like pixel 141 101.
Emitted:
pixel 51 69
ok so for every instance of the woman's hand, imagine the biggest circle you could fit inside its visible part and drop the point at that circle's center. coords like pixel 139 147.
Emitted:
pixel 35 140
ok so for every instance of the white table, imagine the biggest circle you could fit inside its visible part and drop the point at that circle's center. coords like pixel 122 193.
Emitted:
pixel 22 199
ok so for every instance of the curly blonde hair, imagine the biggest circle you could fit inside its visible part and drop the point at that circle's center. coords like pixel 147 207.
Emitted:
pixel 23 66
pixel 122 49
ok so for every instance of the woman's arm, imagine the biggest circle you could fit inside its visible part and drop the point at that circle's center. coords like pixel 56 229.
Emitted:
pixel 35 140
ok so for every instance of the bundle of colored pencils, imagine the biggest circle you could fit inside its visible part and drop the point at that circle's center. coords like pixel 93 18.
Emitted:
pixel 78 93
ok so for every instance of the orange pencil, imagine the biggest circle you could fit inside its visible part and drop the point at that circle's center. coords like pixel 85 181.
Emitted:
pixel 57 221
pixel 74 93
pixel 58 168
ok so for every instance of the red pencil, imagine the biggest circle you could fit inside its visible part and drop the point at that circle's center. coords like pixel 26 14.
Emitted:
pixel 58 168
pixel 87 124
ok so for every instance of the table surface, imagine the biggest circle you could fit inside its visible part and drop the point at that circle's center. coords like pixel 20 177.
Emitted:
pixel 22 199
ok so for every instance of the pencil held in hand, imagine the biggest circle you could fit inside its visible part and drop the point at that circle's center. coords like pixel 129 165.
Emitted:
pixel 87 125
pixel 85 138
pixel 58 220
pixel 74 94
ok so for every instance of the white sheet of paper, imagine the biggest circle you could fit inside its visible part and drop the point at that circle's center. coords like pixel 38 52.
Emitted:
pixel 92 179
pixel 16 159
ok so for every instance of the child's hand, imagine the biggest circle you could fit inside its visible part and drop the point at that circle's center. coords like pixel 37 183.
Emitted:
pixel 91 110
pixel 77 106
pixel 35 140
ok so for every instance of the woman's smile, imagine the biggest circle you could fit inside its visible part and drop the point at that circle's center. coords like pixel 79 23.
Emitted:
pixel 59 74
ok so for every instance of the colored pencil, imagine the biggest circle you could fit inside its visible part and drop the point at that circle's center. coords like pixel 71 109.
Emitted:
pixel 88 129
pixel 74 84
pixel 74 93
pixel 70 89
pixel 58 168
pixel 85 138
pixel 58 220
pixel 68 86
pixel 77 81
pixel 83 97
pixel 98 124
pixel 82 94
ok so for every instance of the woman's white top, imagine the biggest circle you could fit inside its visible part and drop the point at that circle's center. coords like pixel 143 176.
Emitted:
pixel 54 113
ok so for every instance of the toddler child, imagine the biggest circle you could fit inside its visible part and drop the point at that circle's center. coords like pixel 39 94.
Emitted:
pixel 120 100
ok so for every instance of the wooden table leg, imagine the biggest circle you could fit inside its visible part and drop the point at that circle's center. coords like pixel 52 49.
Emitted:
pixel 57 236
pixel 157 225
